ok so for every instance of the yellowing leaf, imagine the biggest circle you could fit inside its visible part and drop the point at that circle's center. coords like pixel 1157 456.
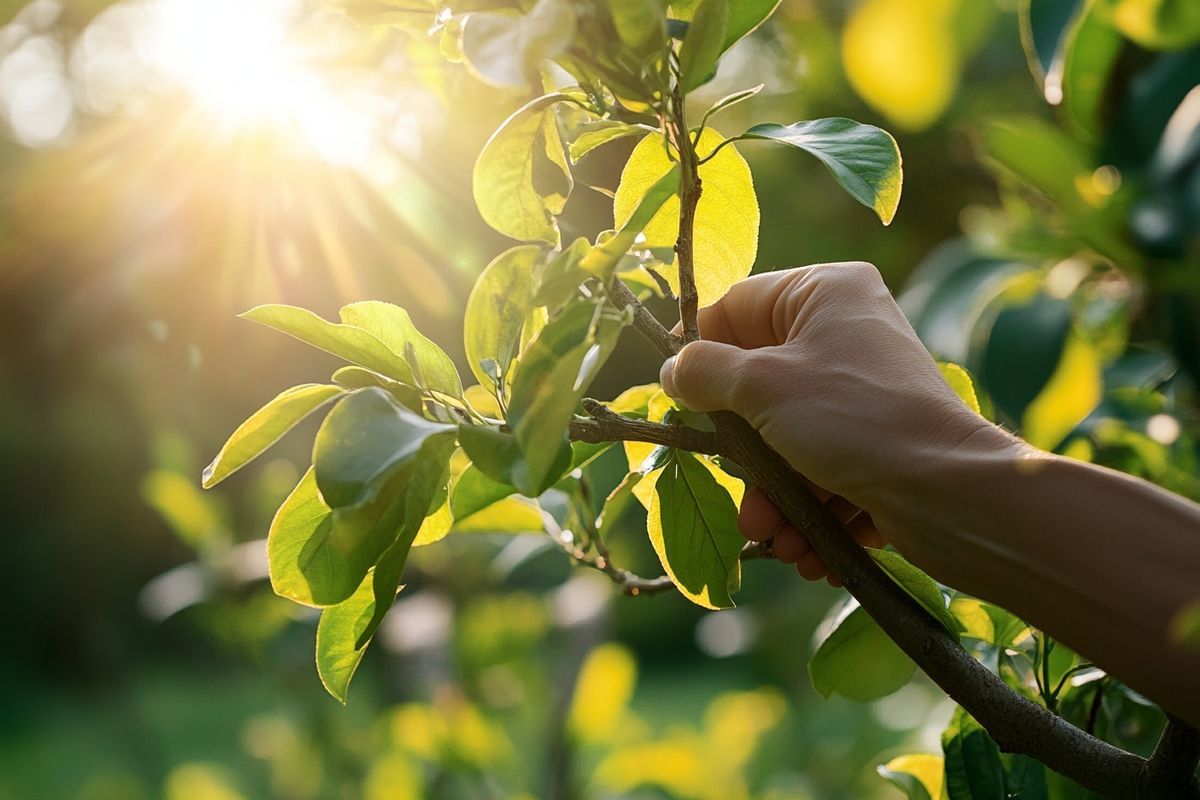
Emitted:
pixel 960 381
pixel 726 231
pixel 1073 392
pixel 919 775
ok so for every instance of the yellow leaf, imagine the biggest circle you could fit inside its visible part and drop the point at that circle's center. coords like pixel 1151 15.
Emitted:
pixel 602 694
pixel 726 231
pixel 927 769
pixel 1073 392
pixel 960 381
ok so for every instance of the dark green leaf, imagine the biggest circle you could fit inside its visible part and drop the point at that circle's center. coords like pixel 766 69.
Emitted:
pixel 496 311
pixel 693 527
pixel 338 631
pixel 498 456
pixel 391 325
pixel 420 499
pixel 704 43
pixel 863 159
pixel 348 342
pixel 527 144
pixel 858 660
pixel 365 439
pixel 973 767
pixel 265 427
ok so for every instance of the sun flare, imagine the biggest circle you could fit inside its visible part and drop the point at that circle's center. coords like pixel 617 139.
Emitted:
pixel 241 64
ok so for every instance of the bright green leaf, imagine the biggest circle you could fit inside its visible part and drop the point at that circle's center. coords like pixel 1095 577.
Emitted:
pixel 510 515
pixel 863 159
pixel 496 311
pixel 730 100
pixel 507 49
pixel 744 18
pixel 858 660
pixel 920 586
pixel 391 325
pixel 527 144
pixel 726 228
pixel 366 438
pixel 973 767
pixel 346 341
pixel 704 43
pixel 598 132
pixel 550 378
pixel 693 528
pixel 338 631
pixel 640 25
pixel 265 427
pixel 297 558
pixel 475 491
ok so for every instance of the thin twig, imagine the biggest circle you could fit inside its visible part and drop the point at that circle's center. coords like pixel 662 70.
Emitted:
pixel 607 426
pixel 666 343
pixel 690 189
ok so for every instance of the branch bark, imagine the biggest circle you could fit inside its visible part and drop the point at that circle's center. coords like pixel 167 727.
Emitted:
pixel 1017 724
pixel 1172 766
pixel 690 190
pixel 607 426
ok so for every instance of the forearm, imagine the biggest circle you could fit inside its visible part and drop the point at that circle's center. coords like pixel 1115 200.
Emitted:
pixel 1101 561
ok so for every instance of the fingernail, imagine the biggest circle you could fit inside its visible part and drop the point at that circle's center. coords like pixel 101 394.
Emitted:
pixel 666 376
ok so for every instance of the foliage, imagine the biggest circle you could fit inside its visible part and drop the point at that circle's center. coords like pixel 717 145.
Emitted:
pixel 407 453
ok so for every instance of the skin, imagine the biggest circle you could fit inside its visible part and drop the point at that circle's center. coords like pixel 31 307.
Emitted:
pixel 823 363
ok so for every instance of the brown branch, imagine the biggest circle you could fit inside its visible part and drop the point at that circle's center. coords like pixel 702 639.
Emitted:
pixel 690 189
pixel 1017 724
pixel 607 426
pixel 1172 767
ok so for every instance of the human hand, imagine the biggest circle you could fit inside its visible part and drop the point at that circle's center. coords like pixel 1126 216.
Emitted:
pixel 821 361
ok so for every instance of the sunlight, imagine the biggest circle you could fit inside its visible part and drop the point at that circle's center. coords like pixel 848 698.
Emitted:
pixel 237 60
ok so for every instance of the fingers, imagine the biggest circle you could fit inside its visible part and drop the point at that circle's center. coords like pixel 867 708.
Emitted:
pixel 758 518
pixel 746 315
pixel 705 376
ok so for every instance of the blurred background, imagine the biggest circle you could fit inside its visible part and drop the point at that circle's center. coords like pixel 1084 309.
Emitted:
pixel 167 164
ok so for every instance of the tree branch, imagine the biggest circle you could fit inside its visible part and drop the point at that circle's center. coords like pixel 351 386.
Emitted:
pixel 607 426
pixel 1172 767
pixel 690 190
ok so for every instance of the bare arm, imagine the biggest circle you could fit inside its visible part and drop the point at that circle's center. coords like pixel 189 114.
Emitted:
pixel 824 364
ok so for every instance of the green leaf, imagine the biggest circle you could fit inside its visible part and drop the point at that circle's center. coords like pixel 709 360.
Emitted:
pixel 960 381
pixel 602 260
pixel 973 767
pixel 498 455
pixel 297 558
pixel 863 159
pixel 346 341
pixel 640 25
pixel 920 775
pixel 550 378
pixel 428 477
pixel 507 49
pixel 704 43
pixel 730 100
pixel 352 378
pixel 391 325
pixel 745 16
pixel 693 528
pixel 512 515
pixel 986 622
pixel 474 491
pixel 521 178
pixel 364 440
pixel 1155 24
pixel 858 660
pixel 338 656
pixel 920 586
pixel 599 132
pixel 726 228
pixel 265 427
pixel 1089 57
pixel 560 278
pixel 496 310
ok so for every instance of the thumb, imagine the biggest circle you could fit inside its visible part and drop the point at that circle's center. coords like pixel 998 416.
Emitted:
pixel 704 376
